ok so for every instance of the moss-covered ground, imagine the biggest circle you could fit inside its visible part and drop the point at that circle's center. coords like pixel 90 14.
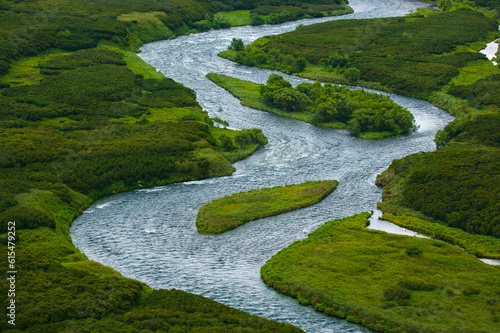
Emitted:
pixel 231 211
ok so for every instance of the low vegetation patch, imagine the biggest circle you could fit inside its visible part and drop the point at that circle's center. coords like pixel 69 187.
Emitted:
pixel 386 282
pixel 231 211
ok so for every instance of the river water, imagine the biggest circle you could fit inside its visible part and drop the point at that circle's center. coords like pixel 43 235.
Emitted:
pixel 150 234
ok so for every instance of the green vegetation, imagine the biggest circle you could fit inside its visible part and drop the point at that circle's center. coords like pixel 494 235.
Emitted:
pixel 478 245
pixel 77 126
pixel 366 115
pixel 234 210
pixel 272 14
pixel 389 283
pixel 405 55
pixel 457 185
pixel 58 289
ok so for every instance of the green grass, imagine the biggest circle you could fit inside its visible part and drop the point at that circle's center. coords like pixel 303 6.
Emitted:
pixel 235 18
pixel 478 245
pixel 234 210
pixel 388 283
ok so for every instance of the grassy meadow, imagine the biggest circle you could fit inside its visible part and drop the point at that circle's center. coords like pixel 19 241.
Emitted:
pixel 386 282
pixel 234 210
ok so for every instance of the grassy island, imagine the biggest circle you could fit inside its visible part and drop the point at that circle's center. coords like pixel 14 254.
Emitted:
pixel 231 211
pixel 389 283
pixel 366 115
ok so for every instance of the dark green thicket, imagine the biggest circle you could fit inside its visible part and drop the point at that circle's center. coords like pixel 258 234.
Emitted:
pixel 458 185
pixel 482 93
pixel 265 7
pixel 407 55
pixel 30 27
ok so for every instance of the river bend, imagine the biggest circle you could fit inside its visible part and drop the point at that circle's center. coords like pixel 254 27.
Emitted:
pixel 150 234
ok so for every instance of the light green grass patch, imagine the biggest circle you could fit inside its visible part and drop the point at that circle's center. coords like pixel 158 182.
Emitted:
pixel 389 283
pixel 474 71
pixel 235 18
pixel 26 71
pixel 231 211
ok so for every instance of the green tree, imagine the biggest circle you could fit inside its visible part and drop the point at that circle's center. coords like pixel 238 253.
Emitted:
pixel 226 143
pixel 299 65
pixel 242 139
pixel 352 74
pixel 237 45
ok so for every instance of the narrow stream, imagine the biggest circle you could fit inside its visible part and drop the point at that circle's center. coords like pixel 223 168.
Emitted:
pixel 150 234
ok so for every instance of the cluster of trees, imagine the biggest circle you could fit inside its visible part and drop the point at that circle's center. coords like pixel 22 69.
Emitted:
pixel 410 56
pixel 251 55
pixel 458 185
pixel 361 111
pixel 482 93
pixel 244 138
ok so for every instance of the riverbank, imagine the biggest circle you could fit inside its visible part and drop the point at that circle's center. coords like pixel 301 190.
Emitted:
pixel 395 283
pixel 234 210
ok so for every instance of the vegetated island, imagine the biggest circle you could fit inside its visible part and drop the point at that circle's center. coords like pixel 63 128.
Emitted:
pixel 234 210
pixel 366 115
pixel 386 282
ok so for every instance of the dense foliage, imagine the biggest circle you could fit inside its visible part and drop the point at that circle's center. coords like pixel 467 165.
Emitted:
pixel 363 112
pixel 458 185
pixel 234 210
pixel 30 27
pixel 64 133
pixel 58 290
pixel 482 93
pixel 367 115
pixel 411 55
pixel 272 5
pixel 389 283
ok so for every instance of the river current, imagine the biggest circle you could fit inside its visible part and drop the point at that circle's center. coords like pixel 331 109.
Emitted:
pixel 150 234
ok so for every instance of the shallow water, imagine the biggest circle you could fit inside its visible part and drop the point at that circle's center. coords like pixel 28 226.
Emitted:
pixel 150 234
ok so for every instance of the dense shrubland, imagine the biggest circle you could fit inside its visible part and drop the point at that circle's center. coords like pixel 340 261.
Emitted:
pixel 406 55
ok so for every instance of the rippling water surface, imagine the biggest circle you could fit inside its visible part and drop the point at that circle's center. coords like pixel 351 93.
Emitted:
pixel 150 234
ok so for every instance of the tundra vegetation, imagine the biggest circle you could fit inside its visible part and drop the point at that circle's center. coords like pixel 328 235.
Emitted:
pixel 389 283
pixel 236 209
pixel 81 116
pixel 367 115
pixel 451 194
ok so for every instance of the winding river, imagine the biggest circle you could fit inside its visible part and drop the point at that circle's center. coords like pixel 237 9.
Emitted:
pixel 150 234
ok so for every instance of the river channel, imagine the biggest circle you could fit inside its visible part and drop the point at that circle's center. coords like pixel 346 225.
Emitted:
pixel 150 234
